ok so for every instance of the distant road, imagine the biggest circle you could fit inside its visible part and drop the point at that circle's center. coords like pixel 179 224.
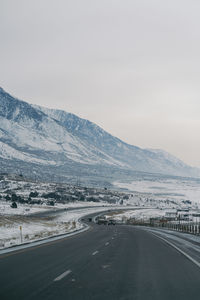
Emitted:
pixel 49 212
pixel 106 262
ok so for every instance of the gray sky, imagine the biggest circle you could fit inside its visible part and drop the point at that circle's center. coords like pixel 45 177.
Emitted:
pixel 130 66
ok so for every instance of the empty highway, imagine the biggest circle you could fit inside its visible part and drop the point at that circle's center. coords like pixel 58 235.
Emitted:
pixel 105 262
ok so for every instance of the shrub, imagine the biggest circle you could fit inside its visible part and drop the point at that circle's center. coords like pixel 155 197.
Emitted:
pixel 82 198
pixel 51 195
pixel 51 203
pixel 16 198
pixel 92 199
pixel 8 198
pixel 33 194
pixel 14 205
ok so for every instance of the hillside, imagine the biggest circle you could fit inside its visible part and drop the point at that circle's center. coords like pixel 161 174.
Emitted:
pixel 58 143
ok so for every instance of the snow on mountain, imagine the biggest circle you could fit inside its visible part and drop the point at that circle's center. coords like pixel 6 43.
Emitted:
pixel 28 129
pixel 162 154
pixel 30 133
pixel 148 160
pixel 8 152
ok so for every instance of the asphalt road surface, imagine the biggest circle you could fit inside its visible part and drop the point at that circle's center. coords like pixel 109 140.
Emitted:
pixel 106 262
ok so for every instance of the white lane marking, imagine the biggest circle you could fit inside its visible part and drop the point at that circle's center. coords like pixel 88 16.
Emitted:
pixel 105 266
pixel 62 275
pixel 106 244
pixel 178 249
pixel 112 238
pixel 95 252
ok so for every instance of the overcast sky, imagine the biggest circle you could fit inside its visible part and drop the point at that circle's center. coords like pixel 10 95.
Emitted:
pixel 130 66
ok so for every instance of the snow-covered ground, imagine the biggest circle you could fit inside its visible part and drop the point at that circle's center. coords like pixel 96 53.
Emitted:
pixel 137 214
pixel 149 197
pixel 22 209
pixel 177 189
pixel 27 209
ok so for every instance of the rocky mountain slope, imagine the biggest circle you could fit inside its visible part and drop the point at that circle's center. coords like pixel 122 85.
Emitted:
pixel 48 140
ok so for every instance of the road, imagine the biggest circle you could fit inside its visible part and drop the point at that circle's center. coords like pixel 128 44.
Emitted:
pixel 44 214
pixel 106 262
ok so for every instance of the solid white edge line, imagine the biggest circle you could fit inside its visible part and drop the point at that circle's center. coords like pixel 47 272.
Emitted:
pixel 62 275
pixel 178 249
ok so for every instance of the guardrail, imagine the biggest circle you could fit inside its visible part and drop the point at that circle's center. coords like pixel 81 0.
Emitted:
pixel 186 227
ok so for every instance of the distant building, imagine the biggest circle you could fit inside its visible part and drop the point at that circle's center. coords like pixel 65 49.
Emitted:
pixel 195 216
pixel 183 215
pixel 171 214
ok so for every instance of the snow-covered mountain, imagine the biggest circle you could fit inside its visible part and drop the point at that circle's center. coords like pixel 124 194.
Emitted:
pixel 39 137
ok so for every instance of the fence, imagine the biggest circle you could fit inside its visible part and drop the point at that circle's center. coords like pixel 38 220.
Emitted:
pixel 188 227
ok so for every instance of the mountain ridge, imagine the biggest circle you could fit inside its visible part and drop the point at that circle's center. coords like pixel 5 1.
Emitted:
pixel 43 136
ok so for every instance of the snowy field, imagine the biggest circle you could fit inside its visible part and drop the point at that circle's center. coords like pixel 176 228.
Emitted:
pixel 27 209
pixel 137 214
pixel 22 209
pixel 177 189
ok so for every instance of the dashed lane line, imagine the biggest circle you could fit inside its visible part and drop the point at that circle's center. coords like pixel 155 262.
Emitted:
pixel 62 275
pixel 95 252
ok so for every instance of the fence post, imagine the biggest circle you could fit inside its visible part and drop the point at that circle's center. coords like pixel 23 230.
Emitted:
pixel 20 228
